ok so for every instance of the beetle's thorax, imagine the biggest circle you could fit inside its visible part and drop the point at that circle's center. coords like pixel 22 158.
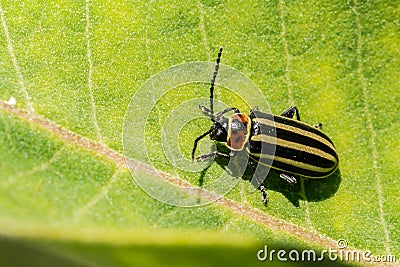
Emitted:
pixel 238 131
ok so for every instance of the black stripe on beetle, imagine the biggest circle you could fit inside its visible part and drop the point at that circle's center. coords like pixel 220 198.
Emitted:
pixel 300 149
pixel 287 145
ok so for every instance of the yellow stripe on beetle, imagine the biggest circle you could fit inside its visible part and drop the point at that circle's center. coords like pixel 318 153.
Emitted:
pixel 284 143
pixel 295 130
pixel 298 164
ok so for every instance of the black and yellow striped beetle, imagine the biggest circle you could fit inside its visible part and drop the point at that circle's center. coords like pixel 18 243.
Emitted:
pixel 287 145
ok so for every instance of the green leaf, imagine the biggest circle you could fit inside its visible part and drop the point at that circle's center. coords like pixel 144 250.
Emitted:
pixel 73 68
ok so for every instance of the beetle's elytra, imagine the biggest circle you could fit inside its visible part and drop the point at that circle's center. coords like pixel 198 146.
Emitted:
pixel 287 145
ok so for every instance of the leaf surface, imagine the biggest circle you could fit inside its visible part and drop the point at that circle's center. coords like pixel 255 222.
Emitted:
pixel 76 65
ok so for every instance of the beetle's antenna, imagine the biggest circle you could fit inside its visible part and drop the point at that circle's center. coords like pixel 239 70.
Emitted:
pixel 212 84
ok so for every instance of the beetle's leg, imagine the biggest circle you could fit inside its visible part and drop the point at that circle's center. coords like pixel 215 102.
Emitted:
pixel 196 141
pixel 226 111
pixel 205 109
pixel 288 178
pixel 208 111
pixel 318 125
pixel 289 113
pixel 264 195
pixel 216 154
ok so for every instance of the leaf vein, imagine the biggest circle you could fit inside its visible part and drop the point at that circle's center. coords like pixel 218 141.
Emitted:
pixel 18 71
pixel 90 71
pixel 202 29
pixel 77 215
pixel 372 144
pixel 42 167
pixel 288 57
pixel 288 79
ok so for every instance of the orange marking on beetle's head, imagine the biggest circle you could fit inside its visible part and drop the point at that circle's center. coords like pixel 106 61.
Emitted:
pixel 242 117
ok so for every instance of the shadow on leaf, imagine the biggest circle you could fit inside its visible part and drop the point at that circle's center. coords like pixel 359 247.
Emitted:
pixel 306 189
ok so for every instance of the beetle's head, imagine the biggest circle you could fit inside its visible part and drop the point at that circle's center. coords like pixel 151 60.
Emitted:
pixel 218 130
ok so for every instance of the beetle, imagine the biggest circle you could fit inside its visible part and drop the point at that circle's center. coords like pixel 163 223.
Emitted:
pixel 283 143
